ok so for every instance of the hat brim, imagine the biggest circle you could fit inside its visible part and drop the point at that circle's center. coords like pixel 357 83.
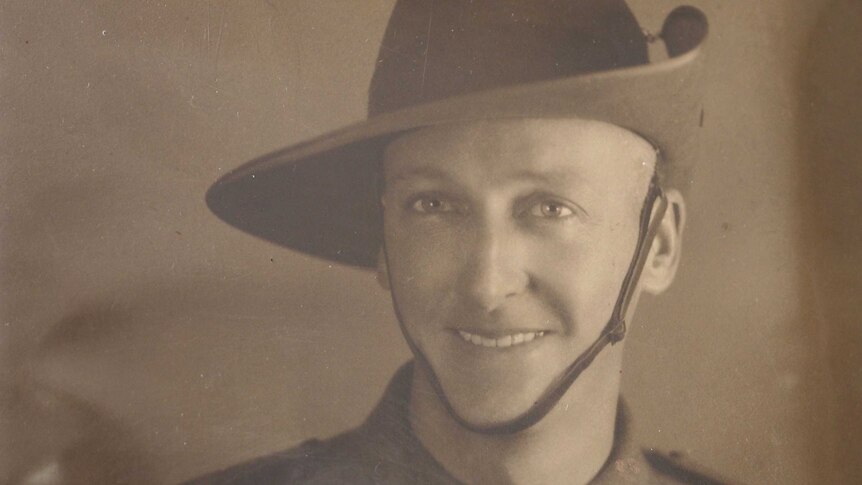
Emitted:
pixel 320 197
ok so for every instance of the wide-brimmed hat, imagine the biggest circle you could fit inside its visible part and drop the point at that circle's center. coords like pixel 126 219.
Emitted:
pixel 460 61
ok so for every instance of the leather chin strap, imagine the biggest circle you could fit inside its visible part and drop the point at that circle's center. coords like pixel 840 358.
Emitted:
pixel 614 331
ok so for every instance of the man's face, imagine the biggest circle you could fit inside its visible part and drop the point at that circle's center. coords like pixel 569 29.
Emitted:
pixel 507 243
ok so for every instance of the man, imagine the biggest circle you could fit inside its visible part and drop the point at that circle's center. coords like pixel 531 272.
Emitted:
pixel 517 186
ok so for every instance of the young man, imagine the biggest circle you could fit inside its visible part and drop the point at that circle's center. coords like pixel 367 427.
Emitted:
pixel 518 184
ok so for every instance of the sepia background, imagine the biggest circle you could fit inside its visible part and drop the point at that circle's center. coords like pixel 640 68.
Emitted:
pixel 144 341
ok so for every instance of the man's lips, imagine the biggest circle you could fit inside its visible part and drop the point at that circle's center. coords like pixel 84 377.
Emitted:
pixel 500 340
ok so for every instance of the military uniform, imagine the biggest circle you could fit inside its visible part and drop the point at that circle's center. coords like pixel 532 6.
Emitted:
pixel 384 450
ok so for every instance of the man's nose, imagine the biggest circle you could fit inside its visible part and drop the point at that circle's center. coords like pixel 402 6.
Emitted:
pixel 495 268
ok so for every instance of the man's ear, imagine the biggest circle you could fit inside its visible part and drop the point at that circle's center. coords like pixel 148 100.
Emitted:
pixel 382 271
pixel 664 256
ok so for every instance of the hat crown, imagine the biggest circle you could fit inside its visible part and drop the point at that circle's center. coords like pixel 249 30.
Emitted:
pixel 434 50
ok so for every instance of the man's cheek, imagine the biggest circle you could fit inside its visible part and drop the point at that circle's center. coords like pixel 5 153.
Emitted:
pixel 432 298
pixel 432 291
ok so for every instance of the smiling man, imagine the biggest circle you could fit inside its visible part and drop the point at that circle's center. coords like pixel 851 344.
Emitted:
pixel 506 243
pixel 517 186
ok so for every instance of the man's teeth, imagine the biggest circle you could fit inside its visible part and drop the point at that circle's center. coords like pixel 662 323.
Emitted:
pixel 507 341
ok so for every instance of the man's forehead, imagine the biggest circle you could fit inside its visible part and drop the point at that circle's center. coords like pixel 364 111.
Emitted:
pixel 538 148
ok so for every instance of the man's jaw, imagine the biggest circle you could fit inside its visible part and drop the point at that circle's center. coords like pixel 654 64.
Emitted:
pixel 540 408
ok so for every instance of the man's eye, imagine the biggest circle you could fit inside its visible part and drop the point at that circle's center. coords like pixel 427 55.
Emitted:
pixel 431 205
pixel 551 209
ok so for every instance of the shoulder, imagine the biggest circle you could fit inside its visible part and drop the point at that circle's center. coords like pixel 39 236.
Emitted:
pixel 631 462
pixel 337 460
pixel 675 467
pixel 383 450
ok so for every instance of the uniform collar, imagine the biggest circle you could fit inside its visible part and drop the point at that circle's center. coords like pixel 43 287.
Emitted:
pixel 389 432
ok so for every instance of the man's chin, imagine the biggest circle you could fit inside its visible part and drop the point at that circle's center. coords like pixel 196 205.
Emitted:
pixel 489 393
pixel 490 406
pixel 490 417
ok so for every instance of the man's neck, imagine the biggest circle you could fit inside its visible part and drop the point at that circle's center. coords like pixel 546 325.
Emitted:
pixel 569 445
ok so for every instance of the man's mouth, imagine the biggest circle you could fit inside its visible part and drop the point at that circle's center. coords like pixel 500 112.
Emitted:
pixel 510 340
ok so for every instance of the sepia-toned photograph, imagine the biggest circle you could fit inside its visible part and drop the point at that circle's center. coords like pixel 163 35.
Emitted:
pixel 431 242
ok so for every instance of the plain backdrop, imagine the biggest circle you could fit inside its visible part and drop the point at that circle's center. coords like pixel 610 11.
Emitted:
pixel 144 340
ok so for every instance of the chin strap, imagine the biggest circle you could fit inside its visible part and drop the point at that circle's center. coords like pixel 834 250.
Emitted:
pixel 614 331
pixel 648 228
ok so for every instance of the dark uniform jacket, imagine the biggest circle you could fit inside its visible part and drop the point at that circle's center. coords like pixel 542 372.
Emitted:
pixel 384 450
